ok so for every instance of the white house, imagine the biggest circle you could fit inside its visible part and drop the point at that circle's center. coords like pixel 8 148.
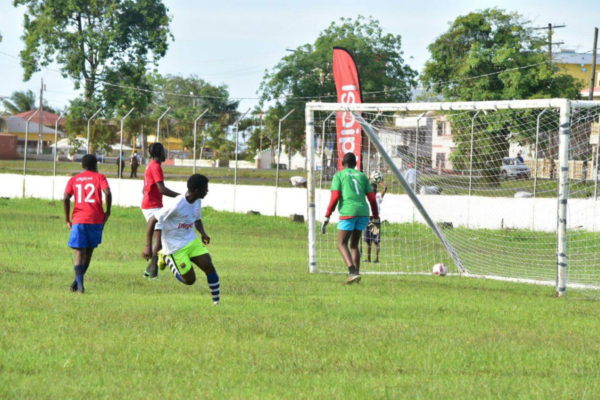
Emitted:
pixel 264 159
pixel 442 144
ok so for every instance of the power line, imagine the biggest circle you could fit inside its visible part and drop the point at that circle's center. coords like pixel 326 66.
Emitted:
pixel 296 98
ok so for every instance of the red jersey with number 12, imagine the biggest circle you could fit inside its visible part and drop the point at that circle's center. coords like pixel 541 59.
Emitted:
pixel 152 196
pixel 86 188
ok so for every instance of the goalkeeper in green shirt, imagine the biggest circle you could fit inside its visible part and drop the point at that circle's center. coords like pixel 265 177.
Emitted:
pixel 348 191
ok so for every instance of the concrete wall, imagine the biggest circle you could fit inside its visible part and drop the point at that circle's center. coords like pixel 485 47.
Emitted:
pixel 474 212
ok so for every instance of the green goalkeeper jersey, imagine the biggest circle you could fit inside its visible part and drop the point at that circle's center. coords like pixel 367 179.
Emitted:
pixel 353 186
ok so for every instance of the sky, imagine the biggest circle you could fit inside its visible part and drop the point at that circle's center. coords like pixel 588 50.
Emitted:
pixel 234 42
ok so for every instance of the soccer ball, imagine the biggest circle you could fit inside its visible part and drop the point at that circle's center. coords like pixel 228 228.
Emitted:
pixel 376 177
pixel 440 269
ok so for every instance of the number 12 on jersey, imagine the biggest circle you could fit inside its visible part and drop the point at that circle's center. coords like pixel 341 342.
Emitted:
pixel 88 189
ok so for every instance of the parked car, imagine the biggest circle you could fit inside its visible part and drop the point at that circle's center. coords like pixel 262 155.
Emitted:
pixel 512 167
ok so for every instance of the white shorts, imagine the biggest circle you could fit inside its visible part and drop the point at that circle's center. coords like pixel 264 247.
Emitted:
pixel 150 212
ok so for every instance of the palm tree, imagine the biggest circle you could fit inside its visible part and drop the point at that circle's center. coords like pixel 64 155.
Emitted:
pixel 19 102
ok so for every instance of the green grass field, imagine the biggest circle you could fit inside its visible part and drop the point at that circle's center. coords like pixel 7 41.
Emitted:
pixel 279 332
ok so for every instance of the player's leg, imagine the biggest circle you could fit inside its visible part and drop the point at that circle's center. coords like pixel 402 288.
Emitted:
pixel 204 262
pixel 359 226
pixel 377 251
pixel 198 254
pixel 354 251
pixel 88 258
pixel 152 268
pixel 91 236
pixel 79 268
pixel 78 241
pixel 345 232
pixel 342 245
pixel 181 267
pixel 367 240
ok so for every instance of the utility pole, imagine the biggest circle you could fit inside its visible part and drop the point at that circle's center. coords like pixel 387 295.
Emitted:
pixel 593 80
pixel 260 134
pixel 550 29
pixel 40 126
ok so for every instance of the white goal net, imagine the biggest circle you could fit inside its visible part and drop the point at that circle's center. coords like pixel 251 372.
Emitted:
pixel 505 190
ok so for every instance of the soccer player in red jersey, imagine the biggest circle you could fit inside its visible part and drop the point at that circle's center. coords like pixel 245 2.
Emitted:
pixel 154 189
pixel 88 217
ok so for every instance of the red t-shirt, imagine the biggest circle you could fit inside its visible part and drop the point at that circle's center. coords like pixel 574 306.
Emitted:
pixel 87 188
pixel 152 196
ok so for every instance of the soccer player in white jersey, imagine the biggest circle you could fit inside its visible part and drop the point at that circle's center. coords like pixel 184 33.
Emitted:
pixel 180 245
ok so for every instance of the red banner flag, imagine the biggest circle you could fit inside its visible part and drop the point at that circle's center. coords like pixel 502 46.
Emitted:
pixel 347 83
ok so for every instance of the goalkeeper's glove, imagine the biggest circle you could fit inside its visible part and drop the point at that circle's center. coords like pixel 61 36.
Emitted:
pixel 324 226
pixel 375 226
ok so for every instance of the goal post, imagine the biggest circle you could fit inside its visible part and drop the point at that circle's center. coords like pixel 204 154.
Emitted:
pixel 478 178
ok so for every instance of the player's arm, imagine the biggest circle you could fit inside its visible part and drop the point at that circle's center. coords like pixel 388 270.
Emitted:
pixel 165 191
pixel 200 228
pixel 333 200
pixel 149 233
pixel 67 208
pixel 384 190
pixel 336 192
pixel 372 197
pixel 108 200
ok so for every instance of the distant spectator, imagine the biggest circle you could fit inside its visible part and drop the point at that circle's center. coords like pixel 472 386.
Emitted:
pixel 135 163
pixel 520 159
pixel 411 175
pixel 120 165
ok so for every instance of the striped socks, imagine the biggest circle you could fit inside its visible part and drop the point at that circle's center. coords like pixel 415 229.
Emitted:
pixel 173 268
pixel 214 286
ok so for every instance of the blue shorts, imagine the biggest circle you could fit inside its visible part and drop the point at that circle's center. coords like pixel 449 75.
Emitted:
pixel 85 236
pixel 353 224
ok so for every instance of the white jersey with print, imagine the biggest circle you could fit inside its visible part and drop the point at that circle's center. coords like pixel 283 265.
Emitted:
pixel 177 222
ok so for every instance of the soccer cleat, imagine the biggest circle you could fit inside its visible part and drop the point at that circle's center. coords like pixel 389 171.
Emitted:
pixel 161 261
pixel 352 278
pixel 216 303
pixel 80 289
pixel 151 272
pixel 73 286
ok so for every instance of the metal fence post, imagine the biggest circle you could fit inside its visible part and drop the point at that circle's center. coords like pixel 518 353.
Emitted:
pixel 158 124
pixel 279 157
pixel 88 129
pixel 55 152
pixel 25 148
pixel 195 134
pixel 119 169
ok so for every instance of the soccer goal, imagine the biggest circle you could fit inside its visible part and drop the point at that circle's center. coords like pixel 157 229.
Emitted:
pixel 500 189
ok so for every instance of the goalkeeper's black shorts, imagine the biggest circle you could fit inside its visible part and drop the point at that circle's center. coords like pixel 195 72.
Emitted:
pixel 369 236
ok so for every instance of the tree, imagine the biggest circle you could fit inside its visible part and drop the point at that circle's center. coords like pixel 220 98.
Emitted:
pixel 92 39
pixel 492 55
pixel 20 101
pixel 188 97
pixel 305 74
